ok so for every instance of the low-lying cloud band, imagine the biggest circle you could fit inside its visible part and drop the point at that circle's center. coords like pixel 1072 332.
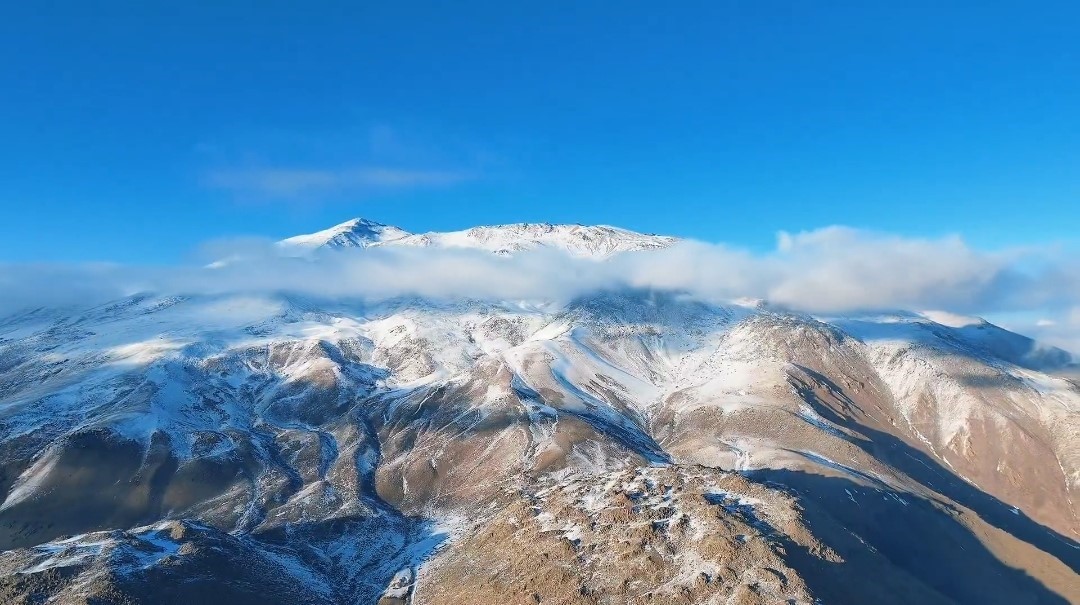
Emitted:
pixel 832 270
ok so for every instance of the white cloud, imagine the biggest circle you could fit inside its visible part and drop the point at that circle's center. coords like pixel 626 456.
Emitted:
pixel 827 271
pixel 1059 329
pixel 34 285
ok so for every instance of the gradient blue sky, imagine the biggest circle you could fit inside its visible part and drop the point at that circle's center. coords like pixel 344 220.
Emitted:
pixel 134 131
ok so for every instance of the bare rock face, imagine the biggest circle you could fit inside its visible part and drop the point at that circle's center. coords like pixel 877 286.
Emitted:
pixel 644 534
pixel 623 448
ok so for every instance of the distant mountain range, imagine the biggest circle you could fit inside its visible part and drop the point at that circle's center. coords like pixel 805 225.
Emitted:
pixel 622 447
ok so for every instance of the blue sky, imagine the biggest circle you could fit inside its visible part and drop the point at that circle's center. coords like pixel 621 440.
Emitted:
pixel 134 132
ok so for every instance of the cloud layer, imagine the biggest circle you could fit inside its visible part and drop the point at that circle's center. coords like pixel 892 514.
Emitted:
pixel 832 270
pixel 1059 328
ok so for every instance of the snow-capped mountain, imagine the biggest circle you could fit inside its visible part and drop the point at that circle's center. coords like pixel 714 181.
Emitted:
pixel 622 447
pixel 355 233
pixel 579 240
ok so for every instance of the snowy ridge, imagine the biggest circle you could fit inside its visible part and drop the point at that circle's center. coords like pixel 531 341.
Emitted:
pixel 580 240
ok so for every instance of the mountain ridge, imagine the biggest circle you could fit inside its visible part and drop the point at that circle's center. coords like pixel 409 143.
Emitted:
pixel 596 241
pixel 618 446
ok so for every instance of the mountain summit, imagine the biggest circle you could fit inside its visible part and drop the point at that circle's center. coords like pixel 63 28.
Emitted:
pixel 355 233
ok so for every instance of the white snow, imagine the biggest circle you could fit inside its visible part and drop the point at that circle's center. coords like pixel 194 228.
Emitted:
pixel 584 241
pixel 357 232
pixel 31 479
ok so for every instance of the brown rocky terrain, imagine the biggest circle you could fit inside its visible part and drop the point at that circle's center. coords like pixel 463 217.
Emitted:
pixel 620 448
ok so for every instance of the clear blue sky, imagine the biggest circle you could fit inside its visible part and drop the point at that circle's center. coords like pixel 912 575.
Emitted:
pixel 132 131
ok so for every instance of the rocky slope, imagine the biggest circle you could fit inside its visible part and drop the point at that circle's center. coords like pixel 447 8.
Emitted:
pixel 625 447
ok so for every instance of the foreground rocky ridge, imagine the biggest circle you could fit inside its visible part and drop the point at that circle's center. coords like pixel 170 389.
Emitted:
pixel 630 447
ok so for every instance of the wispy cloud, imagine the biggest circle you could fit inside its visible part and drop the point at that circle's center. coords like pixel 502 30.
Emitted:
pixel 286 182
pixel 350 159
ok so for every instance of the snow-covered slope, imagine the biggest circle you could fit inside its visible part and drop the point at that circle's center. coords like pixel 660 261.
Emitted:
pixel 636 445
pixel 579 240
pixel 355 233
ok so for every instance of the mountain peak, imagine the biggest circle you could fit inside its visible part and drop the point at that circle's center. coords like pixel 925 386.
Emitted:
pixel 354 233
pixel 353 223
